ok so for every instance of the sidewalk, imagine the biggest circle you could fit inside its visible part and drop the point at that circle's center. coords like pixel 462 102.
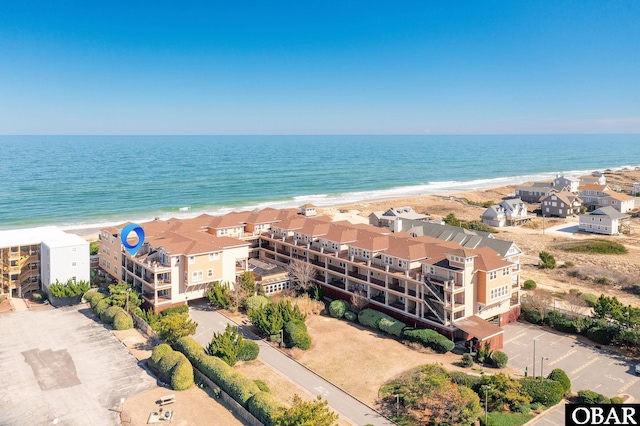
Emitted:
pixel 18 304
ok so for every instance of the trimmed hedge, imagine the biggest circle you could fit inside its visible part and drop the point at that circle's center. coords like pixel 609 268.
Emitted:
pixel 261 385
pixel 109 314
pixel 544 391
pixel 101 306
pixel 351 316
pixel 182 309
pixel 560 322
pixel 529 285
pixel 232 382
pixel 173 366
pixel 249 351
pixel 371 318
pixel 122 321
pixel 429 338
pixel 392 326
pixel 264 407
pixel 93 297
pixel 338 307
pixel 295 335
pixel 158 352
pixel 558 375
pixel 531 315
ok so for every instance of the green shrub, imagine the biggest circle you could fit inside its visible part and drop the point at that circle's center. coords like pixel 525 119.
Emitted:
pixel 536 406
pixel 102 306
pixel 558 375
pixel 523 409
pixel 464 379
pixel 544 391
pixel 109 314
pixel 122 321
pixel 531 315
pixel 591 299
pixel 262 385
pixel 238 386
pixel 69 289
pixel 182 309
pixel 338 307
pixel 617 400
pixel 560 322
pixel 529 285
pixel 158 352
pixel 249 351
pixel 568 264
pixel 295 335
pixel 591 397
pixel 429 338
pixel 602 333
pixel 191 349
pixel 168 362
pixel 182 374
pixel 371 318
pixel 38 296
pixel 93 297
pixel 547 261
pixel 264 407
pixel 392 326
pixel 351 316
pixel 255 302
pixel 467 360
pixel 499 359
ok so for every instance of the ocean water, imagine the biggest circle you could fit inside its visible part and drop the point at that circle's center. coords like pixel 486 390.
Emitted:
pixel 83 181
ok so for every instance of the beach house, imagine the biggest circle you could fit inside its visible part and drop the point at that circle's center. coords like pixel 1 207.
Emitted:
pixel 621 202
pixel 563 183
pixel 422 280
pixel 605 220
pixel 385 219
pixel 509 212
pixel 33 259
pixel 591 193
pixel 561 204
pixel 532 193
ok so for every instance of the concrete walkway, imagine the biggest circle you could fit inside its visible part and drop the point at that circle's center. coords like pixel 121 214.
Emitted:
pixel 347 406
pixel 18 304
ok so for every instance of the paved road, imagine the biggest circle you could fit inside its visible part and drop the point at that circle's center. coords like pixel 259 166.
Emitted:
pixel 587 366
pixel 210 321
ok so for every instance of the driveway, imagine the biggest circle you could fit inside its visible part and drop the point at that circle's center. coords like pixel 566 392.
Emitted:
pixel 564 229
pixel 210 321
pixel 61 366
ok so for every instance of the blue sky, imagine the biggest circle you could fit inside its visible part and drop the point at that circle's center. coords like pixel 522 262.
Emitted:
pixel 331 67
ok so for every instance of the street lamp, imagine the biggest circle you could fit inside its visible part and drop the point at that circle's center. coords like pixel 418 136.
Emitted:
pixel 542 360
pixel 127 301
pixel 397 405
pixel 486 403
pixel 534 357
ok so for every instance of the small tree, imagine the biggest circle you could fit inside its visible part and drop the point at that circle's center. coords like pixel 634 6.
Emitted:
pixel 574 303
pixel 538 299
pixel 267 319
pixel 529 285
pixel 452 220
pixel 303 413
pixel 173 327
pixel 302 274
pixel 499 359
pixel 218 294
pixel 547 261
pixel 248 283
pixel 561 377
pixel 226 345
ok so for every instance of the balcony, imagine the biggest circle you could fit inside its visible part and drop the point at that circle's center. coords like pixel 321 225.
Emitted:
pixel 337 283
pixel 336 269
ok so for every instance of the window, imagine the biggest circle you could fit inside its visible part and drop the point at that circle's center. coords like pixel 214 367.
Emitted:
pixel 108 252
pixel 209 273
pixel 109 265
pixel 192 260
pixel 402 263
pixel 214 255
pixel 505 272
pixel 115 269
pixel 499 292
pixel 334 246
pixel 115 256
pixel 73 263
pixel 196 276
pixel 493 275
pixel 388 260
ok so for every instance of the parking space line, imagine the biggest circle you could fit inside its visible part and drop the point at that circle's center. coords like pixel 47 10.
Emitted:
pixel 594 359
pixel 629 384
pixel 515 338
pixel 562 357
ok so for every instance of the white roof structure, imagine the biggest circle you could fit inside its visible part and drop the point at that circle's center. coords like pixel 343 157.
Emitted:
pixel 50 235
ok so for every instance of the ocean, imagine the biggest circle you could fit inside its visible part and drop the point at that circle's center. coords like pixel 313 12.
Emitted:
pixel 88 181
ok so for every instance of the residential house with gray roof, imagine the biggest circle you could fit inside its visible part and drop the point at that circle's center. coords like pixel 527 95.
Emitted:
pixel 509 212
pixel 605 220
pixel 561 204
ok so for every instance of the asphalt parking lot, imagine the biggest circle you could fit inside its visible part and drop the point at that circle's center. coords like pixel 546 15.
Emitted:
pixel 588 367
pixel 59 366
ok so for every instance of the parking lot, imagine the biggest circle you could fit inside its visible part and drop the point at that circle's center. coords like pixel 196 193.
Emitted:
pixel 59 366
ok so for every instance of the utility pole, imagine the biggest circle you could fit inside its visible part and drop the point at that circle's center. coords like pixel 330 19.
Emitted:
pixel 534 357
pixel 486 403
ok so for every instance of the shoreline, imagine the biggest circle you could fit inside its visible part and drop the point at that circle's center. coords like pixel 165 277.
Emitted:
pixel 368 201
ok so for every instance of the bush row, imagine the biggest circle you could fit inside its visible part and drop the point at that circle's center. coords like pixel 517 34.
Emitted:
pixel 114 315
pixel 239 387
pixel 173 367
pixel 429 338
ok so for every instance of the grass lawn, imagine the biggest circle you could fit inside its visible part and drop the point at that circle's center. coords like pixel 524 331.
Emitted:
pixel 507 419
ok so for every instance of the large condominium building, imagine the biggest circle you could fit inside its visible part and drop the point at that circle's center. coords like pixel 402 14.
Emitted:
pixel 421 280
pixel 30 257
